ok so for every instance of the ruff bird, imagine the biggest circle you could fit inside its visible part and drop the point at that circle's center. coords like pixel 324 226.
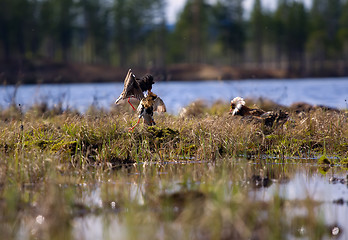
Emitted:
pixel 267 118
pixel 238 108
pixel 134 87
pixel 149 104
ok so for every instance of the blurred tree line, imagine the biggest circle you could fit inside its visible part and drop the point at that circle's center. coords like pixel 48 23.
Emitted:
pixel 135 33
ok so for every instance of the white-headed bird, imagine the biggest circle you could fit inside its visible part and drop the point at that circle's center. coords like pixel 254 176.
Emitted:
pixel 268 118
pixel 238 108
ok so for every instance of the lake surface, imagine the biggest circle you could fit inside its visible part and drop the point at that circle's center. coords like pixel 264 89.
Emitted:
pixel 331 92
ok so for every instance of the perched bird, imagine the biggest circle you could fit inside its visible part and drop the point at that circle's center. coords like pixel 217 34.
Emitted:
pixel 267 118
pixel 134 87
pixel 238 108
pixel 149 104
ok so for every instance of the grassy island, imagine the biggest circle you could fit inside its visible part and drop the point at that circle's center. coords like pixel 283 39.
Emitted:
pixel 189 177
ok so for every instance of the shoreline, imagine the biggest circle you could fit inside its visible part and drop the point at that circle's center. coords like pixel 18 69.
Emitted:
pixel 56 73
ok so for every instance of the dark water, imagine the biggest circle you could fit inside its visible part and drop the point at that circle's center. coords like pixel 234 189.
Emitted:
pixel 328 91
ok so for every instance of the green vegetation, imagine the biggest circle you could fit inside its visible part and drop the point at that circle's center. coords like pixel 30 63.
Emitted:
pixel 200 133
pixel 59 170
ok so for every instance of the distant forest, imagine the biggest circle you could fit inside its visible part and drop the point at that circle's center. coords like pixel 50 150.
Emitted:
pixel 121 33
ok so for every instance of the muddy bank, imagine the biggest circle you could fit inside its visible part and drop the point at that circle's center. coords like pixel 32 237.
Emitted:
pixel 27 72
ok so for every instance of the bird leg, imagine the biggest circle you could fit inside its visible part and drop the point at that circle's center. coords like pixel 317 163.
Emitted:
pixel 131 104
pixel 153 122
pixel 132 128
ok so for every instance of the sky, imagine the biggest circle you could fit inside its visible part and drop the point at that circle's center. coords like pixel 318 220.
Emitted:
pixel 175 6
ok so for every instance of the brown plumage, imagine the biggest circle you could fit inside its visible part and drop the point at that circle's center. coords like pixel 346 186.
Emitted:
pixel 269 118
pixel 145 82
pixel 152 100
pixel 238 108
pixel 151 103
pixel 134 87
pixel 272 118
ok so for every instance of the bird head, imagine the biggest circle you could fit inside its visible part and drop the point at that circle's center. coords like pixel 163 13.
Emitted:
pixel 236 105
pixel 146 82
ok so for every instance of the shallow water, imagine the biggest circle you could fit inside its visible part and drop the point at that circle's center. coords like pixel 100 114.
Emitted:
pixel 297 184
pixel 331 92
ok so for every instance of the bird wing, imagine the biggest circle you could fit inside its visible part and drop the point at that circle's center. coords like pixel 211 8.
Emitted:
pixel 129 82
pixel 131 87
pixel 159 105
pixel 127 78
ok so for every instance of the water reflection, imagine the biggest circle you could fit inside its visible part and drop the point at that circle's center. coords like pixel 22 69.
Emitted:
pixel 293 183
pixel 309 200
pixel 309 187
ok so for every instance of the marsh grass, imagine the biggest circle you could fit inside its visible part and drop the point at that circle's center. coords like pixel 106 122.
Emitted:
pixel 102 138
pixel 53 160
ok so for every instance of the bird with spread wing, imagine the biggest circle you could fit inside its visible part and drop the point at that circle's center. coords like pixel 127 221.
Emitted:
pixel 134 87
pixel 149 104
